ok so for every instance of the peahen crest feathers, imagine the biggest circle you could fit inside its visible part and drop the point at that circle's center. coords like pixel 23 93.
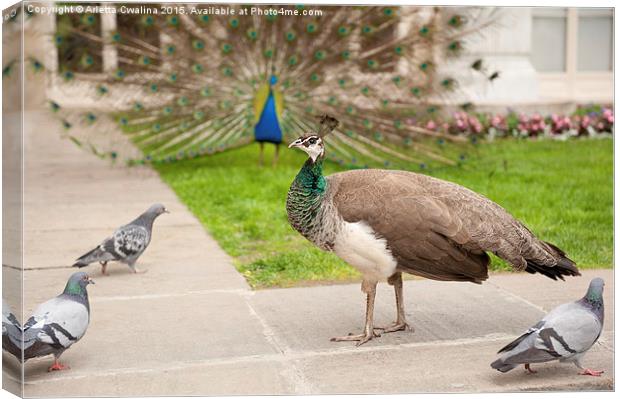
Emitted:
pixel 185 85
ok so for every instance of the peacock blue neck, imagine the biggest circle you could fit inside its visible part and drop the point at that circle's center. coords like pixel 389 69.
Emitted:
pixel 303 204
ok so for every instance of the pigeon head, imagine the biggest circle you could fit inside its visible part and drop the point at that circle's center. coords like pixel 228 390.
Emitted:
pixel 156 210
pixel 595 291
pixel 77 284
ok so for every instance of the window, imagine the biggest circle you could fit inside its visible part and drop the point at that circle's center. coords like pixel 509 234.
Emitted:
pixel 549 55
pixel 595 40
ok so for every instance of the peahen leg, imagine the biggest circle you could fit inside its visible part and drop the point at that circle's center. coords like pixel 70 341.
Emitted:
pixel 370 288
pixel 400 324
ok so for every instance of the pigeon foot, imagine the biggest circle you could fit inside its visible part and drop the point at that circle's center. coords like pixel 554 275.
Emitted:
pixel 361 338
pixel 593 373
pixel 396 327
pixel 529 369
pixel 57 366
pixel 139 271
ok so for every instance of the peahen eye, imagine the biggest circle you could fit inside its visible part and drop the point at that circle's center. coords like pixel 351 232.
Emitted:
pixel 312 140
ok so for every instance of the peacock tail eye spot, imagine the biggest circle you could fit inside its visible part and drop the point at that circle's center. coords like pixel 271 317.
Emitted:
pixel 388 12
pixel 416 91
pixel 343 31
pixel 252 34
pixel 319 55
pixel 154 88
pixel 226 48
pixel 116 37
pixel 147 20
pixel 431 110
pixel 314 77
pixel 198 44
pixel 170 49
pixel 88 19
pixel 173 20
pixel 365 90
pixel 119 74
pixel 197 68
pixel 183 101
pixel 199 115
pixel 293 60
pixel 268 53
pixel 58 40
pixel 234 23
pixel 350 110
pixel 454 46
pixel 173 77
pixel 205 92
pixel 227 71
pixel 167 110
pixel 345 55
pixel 204 18
pixel 144 60
pixel 271 17
pixel 398 50
pixel 68 75
pixel 311 28
pixel 309 109
pixel 397 80
pixel 424 30
pixel 378 136
pixel 156 127
pixel 332 100
pixel 342 83
pixel 137 106
pixel 367 29
pixel 372 64
pixel 290 36
pixel 123 121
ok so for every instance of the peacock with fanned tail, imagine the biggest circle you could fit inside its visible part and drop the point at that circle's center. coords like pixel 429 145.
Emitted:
pixel 186 85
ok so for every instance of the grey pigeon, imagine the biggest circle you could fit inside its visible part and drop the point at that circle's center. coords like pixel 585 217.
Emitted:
pixel 126 244
pixel 58 323
pixel 565 334
pixel 11 331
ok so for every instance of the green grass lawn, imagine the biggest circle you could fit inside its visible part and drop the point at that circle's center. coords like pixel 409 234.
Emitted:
pixel 563 191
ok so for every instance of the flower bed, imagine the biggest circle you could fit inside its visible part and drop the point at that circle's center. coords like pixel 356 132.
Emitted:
pixel 585 121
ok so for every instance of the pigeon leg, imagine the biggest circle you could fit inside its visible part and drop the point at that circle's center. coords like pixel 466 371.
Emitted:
pixel 593 373
pixel 370 288
pixel 57 366
pixel 529 369
pixel 104 265
pixel 135 270
pixel 400 324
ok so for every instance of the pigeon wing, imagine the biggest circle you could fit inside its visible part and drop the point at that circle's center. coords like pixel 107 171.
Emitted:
pixel 128 241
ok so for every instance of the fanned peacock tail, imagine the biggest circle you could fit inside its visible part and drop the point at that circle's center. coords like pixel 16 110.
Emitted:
pixel 189 85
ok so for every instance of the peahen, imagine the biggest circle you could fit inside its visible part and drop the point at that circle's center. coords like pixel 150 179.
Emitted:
pixel 190 84
pixel 386 222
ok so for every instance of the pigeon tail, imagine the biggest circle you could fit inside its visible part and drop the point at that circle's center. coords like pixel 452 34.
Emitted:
pixel 95 255
pixel 563 267
pixel 501 366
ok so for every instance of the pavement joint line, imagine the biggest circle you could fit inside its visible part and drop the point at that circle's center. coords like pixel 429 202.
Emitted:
pixel 77 229
pixel 292 372
pixel 237 291
pixel 290 356
pixel 515 296
pixel 280 356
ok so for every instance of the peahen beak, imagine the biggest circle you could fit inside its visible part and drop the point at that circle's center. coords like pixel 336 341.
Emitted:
pixel 295 144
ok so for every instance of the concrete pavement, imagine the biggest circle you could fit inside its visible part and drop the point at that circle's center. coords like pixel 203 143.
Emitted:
pixel 192 326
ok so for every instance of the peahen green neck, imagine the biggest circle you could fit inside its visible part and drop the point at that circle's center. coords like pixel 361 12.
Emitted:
pixel 305 197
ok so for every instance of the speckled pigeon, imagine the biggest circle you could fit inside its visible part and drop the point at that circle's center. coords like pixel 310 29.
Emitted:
pixel 58 323
pixel 565 334
pixel 11 331
pixel 127 243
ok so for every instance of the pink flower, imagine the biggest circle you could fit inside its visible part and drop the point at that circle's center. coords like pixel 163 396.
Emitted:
pixel 431 125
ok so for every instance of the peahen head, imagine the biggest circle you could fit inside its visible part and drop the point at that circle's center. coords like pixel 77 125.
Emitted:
pixel 312 143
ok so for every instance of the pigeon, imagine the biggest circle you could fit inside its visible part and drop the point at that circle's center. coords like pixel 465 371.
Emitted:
pixel 126 244
pixel 565 334
pixel 11 331
pixel 56 324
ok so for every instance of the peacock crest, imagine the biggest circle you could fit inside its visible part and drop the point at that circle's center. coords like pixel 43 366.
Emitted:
pixel 190 84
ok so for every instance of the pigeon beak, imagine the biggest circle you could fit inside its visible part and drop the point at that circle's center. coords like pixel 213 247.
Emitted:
pixel 166 211
pixel 91 281
pixel 295 144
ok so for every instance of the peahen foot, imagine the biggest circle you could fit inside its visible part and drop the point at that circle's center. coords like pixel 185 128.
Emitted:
pixel 361 338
